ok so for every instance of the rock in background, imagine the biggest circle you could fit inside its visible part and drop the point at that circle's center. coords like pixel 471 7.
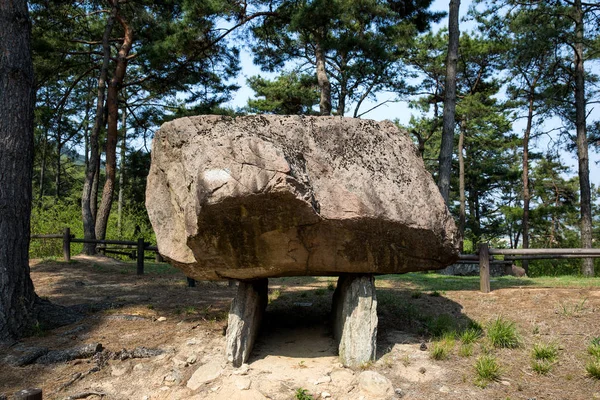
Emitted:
pixel 267 196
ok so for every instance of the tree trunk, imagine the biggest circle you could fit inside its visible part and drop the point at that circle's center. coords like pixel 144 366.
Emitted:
pixel 59 146
pixel 122 172
pixel 461 178
pixel 17 99
pixel 587 268
pixel 43 167
pixel 112 130
pixel 323 81
pixel 445 159
pixel 88 198
pixel 526 194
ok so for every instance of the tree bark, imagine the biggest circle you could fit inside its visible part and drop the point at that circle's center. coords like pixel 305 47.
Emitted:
pixel 461 183
pixel 122 172
pixel 59 146
pixel 323 81
pixel 587 268
pixel 112 130
pixel 445 159
pixel 17 99
pixel 87 198
pixel 526 194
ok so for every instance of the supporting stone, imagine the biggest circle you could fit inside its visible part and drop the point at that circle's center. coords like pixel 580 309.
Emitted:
pixel 245 316
pixel 355 319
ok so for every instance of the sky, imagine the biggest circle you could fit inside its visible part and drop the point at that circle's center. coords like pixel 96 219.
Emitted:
pixel 401 111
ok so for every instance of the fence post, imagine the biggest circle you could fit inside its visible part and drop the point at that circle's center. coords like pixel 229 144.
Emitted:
pixel 191 282
pixel 29 394
pixel 67 244
pixel 140 256
pixel 484 267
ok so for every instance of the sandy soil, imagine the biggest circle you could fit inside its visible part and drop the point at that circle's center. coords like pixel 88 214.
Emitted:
pixel 295 349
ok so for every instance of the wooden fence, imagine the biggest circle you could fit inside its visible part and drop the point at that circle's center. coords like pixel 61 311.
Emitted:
pixel 485 257
pixel 139 246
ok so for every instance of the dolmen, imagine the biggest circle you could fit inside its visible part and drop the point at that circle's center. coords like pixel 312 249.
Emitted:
pixel 257 197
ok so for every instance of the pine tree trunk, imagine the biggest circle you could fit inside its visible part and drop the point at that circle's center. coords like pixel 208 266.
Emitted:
pixel 17 93
pixel 43 167
pixel 526 194
pixel 323 81
pixel 587 268
pixel 112 130
pixel 445 159
pixel 461 178
pixel 88 197
pixel 59 146
pixel 122 172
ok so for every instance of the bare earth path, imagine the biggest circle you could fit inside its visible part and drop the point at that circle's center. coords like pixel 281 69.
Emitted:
pixel 295 350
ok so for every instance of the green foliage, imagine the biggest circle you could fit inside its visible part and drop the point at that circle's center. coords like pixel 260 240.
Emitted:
pixel 487 370
pixel 363 42
pixel 289 94
pixel 503 334
pixel 48 217
pixel 303 394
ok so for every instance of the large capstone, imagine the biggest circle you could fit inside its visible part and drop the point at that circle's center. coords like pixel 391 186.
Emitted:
pixel 267 196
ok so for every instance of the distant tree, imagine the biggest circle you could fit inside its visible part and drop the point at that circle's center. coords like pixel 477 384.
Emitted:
pixel 351 47
pixel 289 93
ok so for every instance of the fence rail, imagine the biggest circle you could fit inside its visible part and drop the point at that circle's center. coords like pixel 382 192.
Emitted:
pixel 484 256
pixel 140 247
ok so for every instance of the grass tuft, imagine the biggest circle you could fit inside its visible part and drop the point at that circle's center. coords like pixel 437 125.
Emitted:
pixel 593 368
pixel 503 334
pixel 441 349
pixel 542 367
pixel 466 350
pixel 546 352
pixel 487 370
pixel 470 335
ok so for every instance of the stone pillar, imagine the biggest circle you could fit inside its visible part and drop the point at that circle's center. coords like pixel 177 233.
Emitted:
pixel 245 315
pixel 354 313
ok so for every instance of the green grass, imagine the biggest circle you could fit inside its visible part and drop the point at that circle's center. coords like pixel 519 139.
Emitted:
pixel 593 368
pixel 441 325
pixel 431 282
pixel 594 347
pixel 470 335
pixel 466 350
pixel 546 352
pixel 503 334
pixel 542 367
pixel 441 350
pixel 487 370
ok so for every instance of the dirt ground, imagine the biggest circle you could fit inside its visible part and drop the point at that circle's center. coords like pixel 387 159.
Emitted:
pixel 295 349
